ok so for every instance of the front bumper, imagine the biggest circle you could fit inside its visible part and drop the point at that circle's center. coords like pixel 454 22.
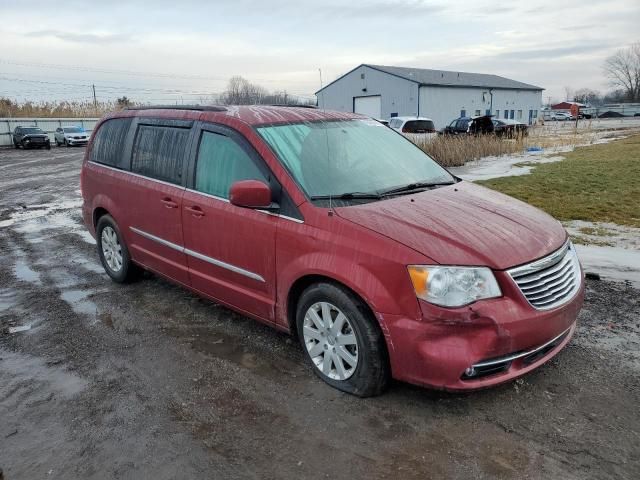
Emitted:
pixel 74 142
pixel 439 349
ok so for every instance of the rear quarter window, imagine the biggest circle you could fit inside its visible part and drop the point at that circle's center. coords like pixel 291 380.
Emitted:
pixel 158 152
pixel 109 141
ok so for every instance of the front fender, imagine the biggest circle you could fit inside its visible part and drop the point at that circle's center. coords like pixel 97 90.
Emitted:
pixel 384 286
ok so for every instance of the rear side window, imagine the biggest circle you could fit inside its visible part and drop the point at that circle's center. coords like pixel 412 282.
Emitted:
pixel 158 152
pixel 221 162
pixel 108 143
pixel 418 126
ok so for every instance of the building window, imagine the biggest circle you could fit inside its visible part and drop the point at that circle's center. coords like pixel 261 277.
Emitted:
pixel 463 113
pixel 519 114
pixel 535 114
pixel 497 113
pixel 512 114
pixel 362 76
pixel 506 114
pixel 477 113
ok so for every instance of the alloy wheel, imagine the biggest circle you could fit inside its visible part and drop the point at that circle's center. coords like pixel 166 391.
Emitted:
pixel 330 341
pixel 111 248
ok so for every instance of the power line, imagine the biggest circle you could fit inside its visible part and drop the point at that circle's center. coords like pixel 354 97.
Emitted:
pixel 84 68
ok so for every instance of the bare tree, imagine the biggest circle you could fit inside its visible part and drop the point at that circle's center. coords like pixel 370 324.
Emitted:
pixel 623 70
pixel 587 96
pixel 568 93
pixel 241 91
pixel 123 102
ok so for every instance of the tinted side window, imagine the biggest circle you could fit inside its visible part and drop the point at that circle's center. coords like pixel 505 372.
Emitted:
pixel 108 143
pixel 158 152
pixel 221 162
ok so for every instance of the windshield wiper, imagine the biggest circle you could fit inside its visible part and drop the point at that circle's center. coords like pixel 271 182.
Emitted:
pixel 348 196
pixel 409 188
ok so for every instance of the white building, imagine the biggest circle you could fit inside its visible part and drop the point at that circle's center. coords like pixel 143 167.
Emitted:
pixel 384 92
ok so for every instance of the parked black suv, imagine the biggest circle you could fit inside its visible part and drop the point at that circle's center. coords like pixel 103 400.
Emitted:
pixel 27 137
pixel 469 125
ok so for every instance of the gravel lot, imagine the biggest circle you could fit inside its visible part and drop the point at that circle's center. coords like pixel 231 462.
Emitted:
pixel 149 381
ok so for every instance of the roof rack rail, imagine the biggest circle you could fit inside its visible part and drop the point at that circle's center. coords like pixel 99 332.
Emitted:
pixel 201 108
pixel 292 106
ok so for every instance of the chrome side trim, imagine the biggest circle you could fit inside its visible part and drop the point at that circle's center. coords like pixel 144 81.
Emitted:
pixel 225 265
pixel 161 241
pixel 208 195
pixel 199 256
pixel 513 357
pixel 137 175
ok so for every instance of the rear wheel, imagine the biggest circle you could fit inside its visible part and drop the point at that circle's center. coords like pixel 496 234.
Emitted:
pixel 341 340
pixel 113 252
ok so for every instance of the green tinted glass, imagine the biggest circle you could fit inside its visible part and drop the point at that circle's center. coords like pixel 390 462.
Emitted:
pixel 221 162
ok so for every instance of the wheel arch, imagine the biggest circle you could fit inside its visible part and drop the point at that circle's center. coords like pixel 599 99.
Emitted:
pixel 304 282
pixel 97 213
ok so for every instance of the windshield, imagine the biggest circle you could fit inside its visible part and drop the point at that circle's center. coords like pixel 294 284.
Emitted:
pixel 31 131
pixel 72 130
pixel 333 158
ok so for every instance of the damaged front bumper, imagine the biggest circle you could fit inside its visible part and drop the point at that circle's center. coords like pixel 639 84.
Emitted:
pixel 480 345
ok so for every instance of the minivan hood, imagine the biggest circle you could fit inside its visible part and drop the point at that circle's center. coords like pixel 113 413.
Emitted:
pixel 463 224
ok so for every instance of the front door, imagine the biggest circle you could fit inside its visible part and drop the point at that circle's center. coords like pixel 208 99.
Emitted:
pixel 230 250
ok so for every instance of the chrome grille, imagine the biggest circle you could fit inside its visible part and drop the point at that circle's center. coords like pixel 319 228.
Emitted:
pixel 551 281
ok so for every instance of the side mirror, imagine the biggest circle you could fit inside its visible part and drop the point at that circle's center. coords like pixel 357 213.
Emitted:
pixel 251 194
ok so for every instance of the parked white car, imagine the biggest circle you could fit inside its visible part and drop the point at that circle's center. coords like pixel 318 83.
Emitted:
pixel 562 116
pixel 413 125
pixel 70 136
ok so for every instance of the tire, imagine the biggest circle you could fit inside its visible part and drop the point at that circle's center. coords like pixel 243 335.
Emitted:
pixel 127 271
pixel 16 145
pixel 359 338
pixel 66 144
pixel 48 147
pixel 57 143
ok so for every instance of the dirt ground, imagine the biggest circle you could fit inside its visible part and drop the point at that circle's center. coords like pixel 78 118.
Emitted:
pixel 149 381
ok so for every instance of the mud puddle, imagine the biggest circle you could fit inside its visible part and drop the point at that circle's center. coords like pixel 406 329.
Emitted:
pixel 228 348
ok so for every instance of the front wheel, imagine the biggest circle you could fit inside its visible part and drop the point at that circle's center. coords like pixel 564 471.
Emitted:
pixel 342 340
pixel 113 252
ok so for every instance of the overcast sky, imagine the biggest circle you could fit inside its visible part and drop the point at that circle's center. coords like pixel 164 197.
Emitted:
pixel 178 51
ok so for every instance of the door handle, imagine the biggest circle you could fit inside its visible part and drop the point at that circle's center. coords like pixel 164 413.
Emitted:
pixel 195 211
pixel 169 203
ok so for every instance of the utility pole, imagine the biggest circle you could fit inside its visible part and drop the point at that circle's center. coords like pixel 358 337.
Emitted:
pixel 95 101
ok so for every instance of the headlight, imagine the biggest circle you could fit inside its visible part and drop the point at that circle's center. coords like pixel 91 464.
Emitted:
pixel 453 286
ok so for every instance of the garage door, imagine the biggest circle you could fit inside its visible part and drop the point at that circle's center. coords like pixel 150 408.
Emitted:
pixel 369 106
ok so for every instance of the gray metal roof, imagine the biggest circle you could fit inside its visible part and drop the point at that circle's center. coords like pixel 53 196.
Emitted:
pixel 425 76
pixel 444 78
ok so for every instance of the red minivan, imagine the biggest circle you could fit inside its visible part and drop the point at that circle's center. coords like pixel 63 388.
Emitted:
pixel 335 228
